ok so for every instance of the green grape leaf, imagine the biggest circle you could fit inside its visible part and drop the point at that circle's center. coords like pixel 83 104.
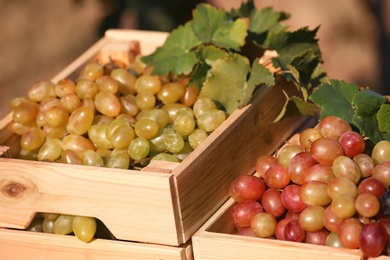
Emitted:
pixel 367 104
pixel 244 10
pixel 335 98
pixel 199 75
pixel 227 82
pixel 177 54
pixel 231 35
pixel 212 25
pixel 207 20
pixel 266 19
pixel 210 53
pixel 290 45
pixel 296 106
pixel 383 118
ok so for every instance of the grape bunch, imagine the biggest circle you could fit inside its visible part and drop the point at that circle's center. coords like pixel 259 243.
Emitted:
pixel 113 116
pixel 110 116
pixel 330 188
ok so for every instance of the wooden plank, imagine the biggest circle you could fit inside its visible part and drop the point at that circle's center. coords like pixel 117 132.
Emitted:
pixel 133 205
pixel 16 245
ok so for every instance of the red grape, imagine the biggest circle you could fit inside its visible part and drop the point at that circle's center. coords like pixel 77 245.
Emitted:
pixel 263 162
pixel 277 176
pixel 243 212
pixel 299 164
pixel 272 202
pixel 352 143
pixel 326 150
pixel 349 231
pixel 319 172
pixel 367 205
pixel 371 185
pixel 294 232
pixel 317 238
pixel 382 172
pixel 291 199
pixel 247 187
pixel 333 127
pixel 372 239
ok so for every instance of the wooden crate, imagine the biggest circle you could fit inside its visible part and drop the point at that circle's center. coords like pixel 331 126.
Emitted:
pixel 16 245
pixel 168 202
pixel 216 240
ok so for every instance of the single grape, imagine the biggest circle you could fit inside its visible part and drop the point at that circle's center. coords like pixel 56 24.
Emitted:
pixel 247 187
pixel 333 127
pixel 263 162
pixel 291 199
pixel 107 103
pixel 263 224
pixel 277 177
pixel 317 238
pixel 381 152
pixel 308 136
pixel 365 163
pixel 333 240
pixel 315 193
pixel 272 202
pixel 84 228
pixel 371 185
pixel 287 153
pixel 326 150
pixel 382 172
pixel 352 143
pixel 299 164
pixel 311 218
pixel 348 232
pixel 367 205
pixel 63 225
pixel 343 166
pixel 372 239
pixel 243 212
pixel 319 172
pixel 294 232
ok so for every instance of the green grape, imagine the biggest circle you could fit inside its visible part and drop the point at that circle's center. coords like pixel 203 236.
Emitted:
pixel 40 119
pixel 104 153
pixel 28 155
pixel 19 128
pixel 107 103
pixel 117 122
pixel 86 88
pixel 187 149
pixel 174 142
pixel 51 132
pixel 92 158
pixel 92 71
pixel 128 105
pixel 50 216
pixel 197 137
pixel 160 116
pixel 157 143
pixel 89 102
pixel 70 102
pixel 42 90
pixel 48 226
pixel 107 83
pixel 146 128
pixel 122 136
pixel 129 118
pixel 51 150
pixel 185 111
pixel 145 100
pixel 126 81
pixel 119 159
pixel 48 103
pixel 16 101
pixel 80 121
pixel 64 87
pixel 25 112
pixel 171 92
pixel 165 157
pixel 148 84
pixel 32 139
pixel 210 120
pixel 84 228
pixel 184 125
pixel 203 104
pixel 70 157
pixel 63 225
pixel 98 136
pixel 77 143
pixel 172 109
pixel 102 120
pixel 56 116
pixel 139 148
